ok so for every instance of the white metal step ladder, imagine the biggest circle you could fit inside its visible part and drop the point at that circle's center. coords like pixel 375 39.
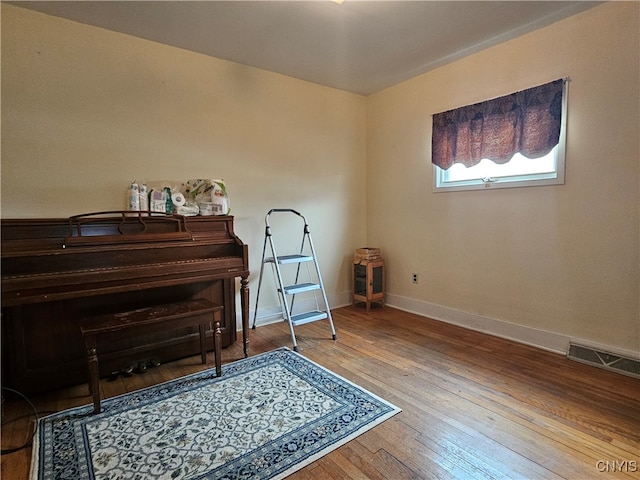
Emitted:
pixel 289 267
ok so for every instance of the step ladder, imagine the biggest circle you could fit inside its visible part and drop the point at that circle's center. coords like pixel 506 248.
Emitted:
pixel 289 267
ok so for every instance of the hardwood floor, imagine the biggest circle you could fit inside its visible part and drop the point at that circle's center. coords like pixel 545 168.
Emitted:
pixel 474 406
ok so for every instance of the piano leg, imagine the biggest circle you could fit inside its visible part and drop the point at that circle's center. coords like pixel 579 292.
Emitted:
pixel 217 343
pixel 244 300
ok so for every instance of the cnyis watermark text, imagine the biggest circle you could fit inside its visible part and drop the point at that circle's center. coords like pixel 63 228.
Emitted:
pixel 611 466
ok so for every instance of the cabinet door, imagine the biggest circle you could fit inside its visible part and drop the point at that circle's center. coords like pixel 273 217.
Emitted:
pixel 378 279
pixel 360 280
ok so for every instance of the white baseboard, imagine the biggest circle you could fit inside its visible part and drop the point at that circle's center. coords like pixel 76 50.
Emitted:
pixel 535 337
pixel 550 341
pixel 543 339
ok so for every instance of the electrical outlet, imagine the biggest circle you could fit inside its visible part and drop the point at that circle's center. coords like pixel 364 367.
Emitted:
pixel 414 277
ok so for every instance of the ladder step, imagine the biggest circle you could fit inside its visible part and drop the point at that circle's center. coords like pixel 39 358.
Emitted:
pixel 301 287
pixel 308 317
pixel 283 259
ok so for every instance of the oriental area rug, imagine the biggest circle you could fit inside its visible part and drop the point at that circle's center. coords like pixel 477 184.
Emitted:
pixel 264 418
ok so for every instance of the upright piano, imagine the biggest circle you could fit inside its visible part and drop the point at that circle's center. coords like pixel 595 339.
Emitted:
pixel 57 271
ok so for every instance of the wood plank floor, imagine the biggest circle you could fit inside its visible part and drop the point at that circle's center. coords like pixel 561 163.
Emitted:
pixel 474 406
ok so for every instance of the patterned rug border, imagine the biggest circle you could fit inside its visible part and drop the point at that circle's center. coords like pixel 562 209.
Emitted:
pixel 161 391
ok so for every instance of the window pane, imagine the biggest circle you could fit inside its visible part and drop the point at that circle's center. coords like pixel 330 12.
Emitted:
pixel 518 165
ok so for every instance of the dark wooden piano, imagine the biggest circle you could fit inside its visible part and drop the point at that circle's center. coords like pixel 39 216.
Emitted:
pixel 57 271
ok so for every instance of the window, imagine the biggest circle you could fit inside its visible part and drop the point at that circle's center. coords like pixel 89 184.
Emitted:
pixel 512 141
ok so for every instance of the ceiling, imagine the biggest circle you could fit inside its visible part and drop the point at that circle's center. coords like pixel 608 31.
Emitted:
pixel 357 46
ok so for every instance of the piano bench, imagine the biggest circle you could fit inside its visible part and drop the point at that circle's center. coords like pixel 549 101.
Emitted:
pixel 195 312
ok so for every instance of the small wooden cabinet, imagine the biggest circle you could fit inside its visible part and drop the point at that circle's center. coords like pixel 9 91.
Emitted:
pixel 368 281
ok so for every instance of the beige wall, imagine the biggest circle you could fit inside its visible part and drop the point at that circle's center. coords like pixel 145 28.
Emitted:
pixel 85 111
pixel 561 259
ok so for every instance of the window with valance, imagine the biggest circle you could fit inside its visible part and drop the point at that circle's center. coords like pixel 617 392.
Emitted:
pixel 525 127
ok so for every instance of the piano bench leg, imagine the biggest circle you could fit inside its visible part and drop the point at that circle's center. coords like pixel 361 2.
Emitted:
pixel 203 342
pixel 93 371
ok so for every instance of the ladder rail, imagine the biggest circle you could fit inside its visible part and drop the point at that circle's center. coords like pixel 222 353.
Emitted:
pixel 282 210
pixel 282 297
pixel 267 242
pixel 324 294
pixel 306 237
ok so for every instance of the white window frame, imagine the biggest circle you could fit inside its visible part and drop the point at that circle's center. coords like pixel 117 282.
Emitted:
pixel 442 184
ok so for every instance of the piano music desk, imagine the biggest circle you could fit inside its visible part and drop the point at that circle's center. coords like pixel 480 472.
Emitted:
pixel 195 312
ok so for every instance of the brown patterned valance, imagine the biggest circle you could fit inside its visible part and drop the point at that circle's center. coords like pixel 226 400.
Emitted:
pixel 527 122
